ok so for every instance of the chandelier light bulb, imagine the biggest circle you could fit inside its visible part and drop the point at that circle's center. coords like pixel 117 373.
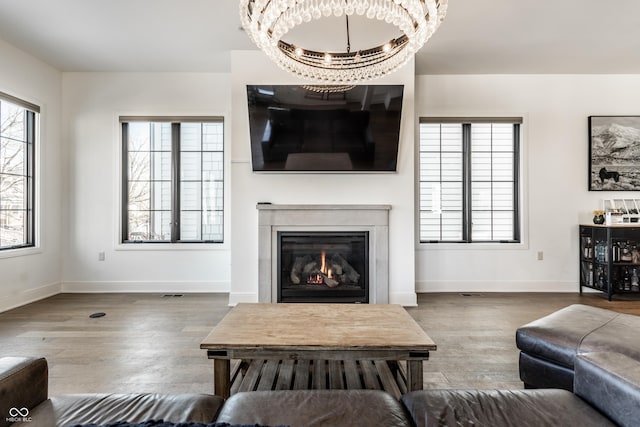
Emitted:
pixel 349 9
pixel 268 21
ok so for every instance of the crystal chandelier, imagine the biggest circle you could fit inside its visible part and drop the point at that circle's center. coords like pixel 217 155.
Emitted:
pixel 268 21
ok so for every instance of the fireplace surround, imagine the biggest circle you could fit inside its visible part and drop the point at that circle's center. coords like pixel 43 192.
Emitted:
pixel 336 220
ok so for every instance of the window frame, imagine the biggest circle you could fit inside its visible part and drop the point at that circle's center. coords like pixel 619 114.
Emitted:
pixel 519 182
pixel 174 242
pixel 32 139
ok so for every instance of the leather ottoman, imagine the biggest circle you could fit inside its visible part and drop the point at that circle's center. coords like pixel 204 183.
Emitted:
pixel 549 345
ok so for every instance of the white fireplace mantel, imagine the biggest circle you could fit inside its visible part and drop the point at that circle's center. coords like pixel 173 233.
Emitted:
pixel 372 218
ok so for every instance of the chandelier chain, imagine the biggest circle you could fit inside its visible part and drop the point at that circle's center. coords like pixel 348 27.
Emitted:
pixel 348 40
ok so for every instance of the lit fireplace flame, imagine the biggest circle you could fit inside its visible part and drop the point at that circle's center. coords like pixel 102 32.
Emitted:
pixel 323 265
pixel 325 273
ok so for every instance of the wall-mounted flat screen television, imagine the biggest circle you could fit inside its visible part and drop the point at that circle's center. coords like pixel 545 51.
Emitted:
pixel 301 129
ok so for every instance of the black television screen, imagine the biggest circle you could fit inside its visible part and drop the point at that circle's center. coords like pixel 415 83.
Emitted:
pixel 299 129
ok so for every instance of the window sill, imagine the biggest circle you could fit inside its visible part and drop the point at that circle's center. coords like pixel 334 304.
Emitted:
pixel 472 246
pixel 172 247
pixel 19 252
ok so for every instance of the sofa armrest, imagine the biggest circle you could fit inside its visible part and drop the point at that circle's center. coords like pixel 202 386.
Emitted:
pixel 24 383
pixel 611 383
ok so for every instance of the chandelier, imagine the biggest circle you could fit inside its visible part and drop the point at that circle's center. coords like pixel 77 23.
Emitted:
pixel 268 21
pixel 328 88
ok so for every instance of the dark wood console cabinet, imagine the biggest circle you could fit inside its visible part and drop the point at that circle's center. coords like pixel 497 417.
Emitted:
pixel 610 259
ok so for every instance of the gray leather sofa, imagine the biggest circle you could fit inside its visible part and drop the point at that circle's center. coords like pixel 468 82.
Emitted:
pixel 607 393
pixel 24 401
pixel 549 346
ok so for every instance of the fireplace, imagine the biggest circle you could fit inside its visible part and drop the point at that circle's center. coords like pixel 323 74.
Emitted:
pixel 335 220
pixel 323 266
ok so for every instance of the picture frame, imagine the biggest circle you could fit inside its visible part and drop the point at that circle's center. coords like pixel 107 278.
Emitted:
pixel 614 153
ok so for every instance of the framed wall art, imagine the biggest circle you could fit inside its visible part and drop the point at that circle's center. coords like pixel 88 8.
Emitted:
pixel 614 153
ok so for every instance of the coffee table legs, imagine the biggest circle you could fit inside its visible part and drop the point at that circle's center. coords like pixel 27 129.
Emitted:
pixel 414 375
pixel 222 377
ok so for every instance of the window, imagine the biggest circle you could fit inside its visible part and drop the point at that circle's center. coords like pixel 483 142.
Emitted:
pixel 17 185
pixel 173 186
pixel 469 180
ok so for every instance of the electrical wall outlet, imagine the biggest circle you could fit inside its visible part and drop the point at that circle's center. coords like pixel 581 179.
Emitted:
pixel 540 256
pixel 100 256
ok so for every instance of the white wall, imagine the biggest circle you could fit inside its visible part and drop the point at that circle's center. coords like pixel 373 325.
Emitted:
pixel 555 148
pixel 31 274
pixel 79 185
pixel 248 188
pixel 92 104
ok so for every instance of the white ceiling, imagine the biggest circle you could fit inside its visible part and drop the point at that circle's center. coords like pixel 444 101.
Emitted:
pixel 477 36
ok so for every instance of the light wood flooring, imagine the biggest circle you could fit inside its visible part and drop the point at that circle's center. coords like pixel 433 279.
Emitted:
pixel 150 342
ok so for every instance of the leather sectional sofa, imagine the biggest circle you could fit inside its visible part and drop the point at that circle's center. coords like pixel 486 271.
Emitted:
pixel 606 392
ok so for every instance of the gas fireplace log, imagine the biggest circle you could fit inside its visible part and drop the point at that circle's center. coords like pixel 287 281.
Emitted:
pixel 336 268
pixel 310 267
pixel 329 281
pixel 296 270
pixel 307 269
pixel 350 275
pixel 295 278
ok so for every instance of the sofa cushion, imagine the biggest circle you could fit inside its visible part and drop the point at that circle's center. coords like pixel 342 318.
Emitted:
pixel 496 408
pixel 558 336
pixel 110 408
pixel 611 383
pixel 620 335
pixel 314 408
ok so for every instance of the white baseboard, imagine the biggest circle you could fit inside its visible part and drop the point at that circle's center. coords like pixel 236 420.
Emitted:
pixel 406 299
pixel 238 297
pixel 13 300
pixel 495 286
pixel 145 287
pixel 9 301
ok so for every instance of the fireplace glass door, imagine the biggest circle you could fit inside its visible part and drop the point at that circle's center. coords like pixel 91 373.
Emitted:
pixel 323 267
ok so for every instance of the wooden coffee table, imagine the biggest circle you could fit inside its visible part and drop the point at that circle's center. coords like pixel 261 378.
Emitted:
pixel 333 332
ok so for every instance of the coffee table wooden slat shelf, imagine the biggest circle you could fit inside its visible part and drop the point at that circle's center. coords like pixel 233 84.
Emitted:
pixel 301 381
pixel 333 332
pixel 319 375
